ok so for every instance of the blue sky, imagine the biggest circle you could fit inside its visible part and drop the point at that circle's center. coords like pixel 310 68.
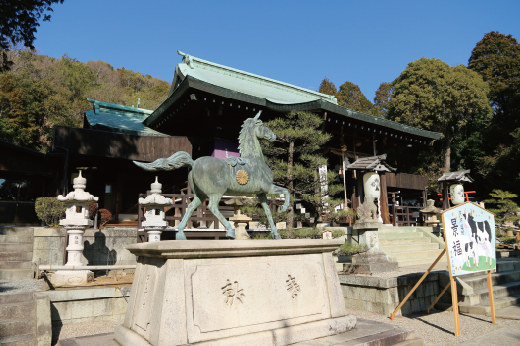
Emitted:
pixel 297 42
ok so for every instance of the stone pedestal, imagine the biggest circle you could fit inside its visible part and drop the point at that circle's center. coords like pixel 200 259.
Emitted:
pixel 374 260
pixel 264 292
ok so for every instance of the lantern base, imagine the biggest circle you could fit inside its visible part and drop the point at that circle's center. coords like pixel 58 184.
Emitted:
pixel 71 278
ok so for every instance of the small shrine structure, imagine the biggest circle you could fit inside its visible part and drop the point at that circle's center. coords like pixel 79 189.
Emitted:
pixel 453 178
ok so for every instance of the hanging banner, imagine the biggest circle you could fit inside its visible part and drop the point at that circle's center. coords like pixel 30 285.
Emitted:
pixel 469 232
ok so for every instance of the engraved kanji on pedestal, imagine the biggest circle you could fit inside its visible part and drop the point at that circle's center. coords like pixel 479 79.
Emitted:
pixel 154 214
pixel 75 222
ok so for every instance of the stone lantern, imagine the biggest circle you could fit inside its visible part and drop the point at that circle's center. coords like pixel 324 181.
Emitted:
pixel 75 222
pixel 457 194
pixel 430 214
pixel 239 219
pixel 154 215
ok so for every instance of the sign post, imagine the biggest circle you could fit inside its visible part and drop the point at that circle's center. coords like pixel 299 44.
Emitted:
pixel 469 234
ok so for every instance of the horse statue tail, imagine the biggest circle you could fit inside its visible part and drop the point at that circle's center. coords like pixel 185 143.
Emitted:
pixel 177 160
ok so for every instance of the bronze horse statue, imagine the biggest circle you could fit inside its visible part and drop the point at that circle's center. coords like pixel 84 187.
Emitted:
pixel 211 178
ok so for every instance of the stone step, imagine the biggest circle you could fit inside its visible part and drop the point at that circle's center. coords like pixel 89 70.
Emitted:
pixel 16 327
pixel 399 241
pixel 10 311
pixel 16 247
pixel 410 235
pixel 410 247
pixel 499 291
pixel 17 230
pixel 398 256
pixel 396 230
pixel 480 281
pixel 16 274
pixel 20 340
pixel 483 308
pixel 15 256
pixel 16 298
pixel 417 261
pixel 506 266
pixel 15 265
pixel 16 239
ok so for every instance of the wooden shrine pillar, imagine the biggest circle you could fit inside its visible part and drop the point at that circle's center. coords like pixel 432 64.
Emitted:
pixel 359 187
pixel 384 200
pixel 445 202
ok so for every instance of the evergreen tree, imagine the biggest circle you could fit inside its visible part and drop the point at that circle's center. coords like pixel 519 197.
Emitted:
pixel 433 96
pixel 497 59
pixel 382 99
pixel 18 23
pixel 506 209
pixel 295 161
pixel 351 97
pixel 327 87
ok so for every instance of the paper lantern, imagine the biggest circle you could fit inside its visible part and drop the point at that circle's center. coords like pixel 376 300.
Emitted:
pixel 457 194
pixel 372 185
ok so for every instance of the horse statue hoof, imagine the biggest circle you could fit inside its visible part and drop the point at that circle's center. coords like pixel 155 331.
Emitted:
pixel 230 234
pixel 180 236
pixel 276 236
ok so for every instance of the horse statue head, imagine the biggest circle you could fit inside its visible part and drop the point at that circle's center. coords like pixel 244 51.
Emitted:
pixel 252 129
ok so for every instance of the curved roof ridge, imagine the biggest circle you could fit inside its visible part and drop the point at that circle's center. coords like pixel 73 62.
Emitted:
pixel 194 62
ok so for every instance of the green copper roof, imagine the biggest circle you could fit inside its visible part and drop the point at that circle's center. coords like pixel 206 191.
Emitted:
pixel 120 118
pixel 244 82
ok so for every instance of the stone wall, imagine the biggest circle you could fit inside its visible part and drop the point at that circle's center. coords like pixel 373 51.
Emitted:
pixel 382 295
pixel 85 305
pixel 102 247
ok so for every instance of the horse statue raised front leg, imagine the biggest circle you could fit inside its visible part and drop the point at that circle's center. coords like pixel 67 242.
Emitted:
pixel 211 178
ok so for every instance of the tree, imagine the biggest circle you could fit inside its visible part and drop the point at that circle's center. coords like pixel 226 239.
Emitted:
pixel 497 59
pixel 506 209
pixel 18 23
pixel 433 96
pixel 295 161
pixel 327 87
pixel 351 97
pixel 382 99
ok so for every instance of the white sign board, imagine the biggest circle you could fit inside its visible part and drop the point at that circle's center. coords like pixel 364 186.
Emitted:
pixel 469 231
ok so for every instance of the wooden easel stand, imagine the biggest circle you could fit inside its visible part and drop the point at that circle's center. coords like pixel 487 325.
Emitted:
pixel 392 315
pixel 491 297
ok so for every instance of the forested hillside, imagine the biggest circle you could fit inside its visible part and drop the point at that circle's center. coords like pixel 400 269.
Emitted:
pixel 40 92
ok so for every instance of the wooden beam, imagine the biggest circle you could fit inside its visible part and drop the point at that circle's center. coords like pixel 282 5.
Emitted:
pixel 384 200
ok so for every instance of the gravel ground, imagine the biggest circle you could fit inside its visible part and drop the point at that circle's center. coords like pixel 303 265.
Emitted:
pixel 436 329
pixel 21 286
pixel 82 329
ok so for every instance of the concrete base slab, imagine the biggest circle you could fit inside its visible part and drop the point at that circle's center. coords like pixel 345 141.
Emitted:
pixel 366 333
pixel 278 336
pixel 510 313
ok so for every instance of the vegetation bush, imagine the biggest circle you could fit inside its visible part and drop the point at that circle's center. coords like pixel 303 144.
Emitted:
pixel 92 210
pixel 509 240
pixel 105 216
pixel 349 249
pixel 50 210
pixel 301 233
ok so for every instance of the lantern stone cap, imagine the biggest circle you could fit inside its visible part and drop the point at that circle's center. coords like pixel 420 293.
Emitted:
pixel 155 198
pixel 371 163
pixel 79 194
pixel 430 208
pixel 459 176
